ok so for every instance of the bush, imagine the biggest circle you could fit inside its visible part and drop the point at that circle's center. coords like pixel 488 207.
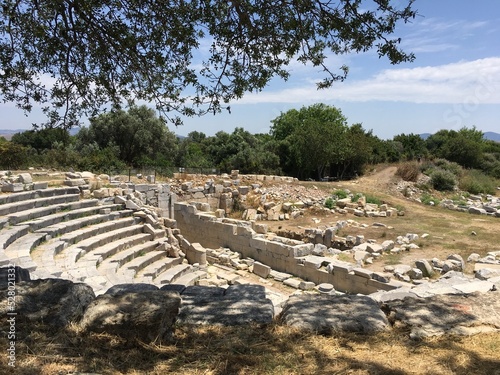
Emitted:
pixel 429 199
pixel 329 203
pixel 476 182
pixel 446 165
pixel 443 180
pixel 355 197
pixel 408 171
pixel 340 194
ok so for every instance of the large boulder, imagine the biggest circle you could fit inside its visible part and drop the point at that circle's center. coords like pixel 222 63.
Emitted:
pixel 148 316
pixel 53 301
pixel 330 314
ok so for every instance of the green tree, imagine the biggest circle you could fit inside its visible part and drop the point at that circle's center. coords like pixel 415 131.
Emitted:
pixel 359 151
pixel 138 134
pixel 464 147
pixel 413 145
pixel 42 139
pixel 12 155
pixel 97 52
pixel 310 139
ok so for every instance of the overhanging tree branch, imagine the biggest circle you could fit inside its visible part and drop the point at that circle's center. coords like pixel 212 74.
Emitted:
pixel 82 55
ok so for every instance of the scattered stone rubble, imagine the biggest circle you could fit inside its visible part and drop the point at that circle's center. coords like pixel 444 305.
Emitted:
pixel 477 204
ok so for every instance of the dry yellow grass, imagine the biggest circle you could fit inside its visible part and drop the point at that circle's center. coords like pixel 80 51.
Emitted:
pixel 270 349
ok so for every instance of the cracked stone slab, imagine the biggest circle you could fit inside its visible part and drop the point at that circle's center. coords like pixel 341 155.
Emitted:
pixel 225 310
pixel 330 314
pixel 447 314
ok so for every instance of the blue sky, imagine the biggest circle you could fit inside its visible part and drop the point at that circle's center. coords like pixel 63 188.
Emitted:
pixel 453 82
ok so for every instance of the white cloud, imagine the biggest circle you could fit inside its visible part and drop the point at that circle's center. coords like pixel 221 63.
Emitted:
pixel 462 82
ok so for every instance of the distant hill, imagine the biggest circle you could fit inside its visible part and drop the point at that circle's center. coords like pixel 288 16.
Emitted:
pixel 492 136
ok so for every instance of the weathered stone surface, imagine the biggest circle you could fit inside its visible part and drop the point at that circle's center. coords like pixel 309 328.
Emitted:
pixel 330 314
pixel 486 273
pixel 453 314
pixel 247 291
pixel 75 182
pixel 52 301
pixel 12 188
pixel 128 288
pixel 227 310
pixel 25 178
pixel 148 316
pixel 196 253
pixel 424 266
pixel 325 288
pixel 261 270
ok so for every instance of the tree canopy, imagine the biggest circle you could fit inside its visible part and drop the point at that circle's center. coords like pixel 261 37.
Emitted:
pixel 138 134
pixel 75 57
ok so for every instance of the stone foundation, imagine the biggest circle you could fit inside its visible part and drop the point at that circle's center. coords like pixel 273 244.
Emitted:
pixel 281 254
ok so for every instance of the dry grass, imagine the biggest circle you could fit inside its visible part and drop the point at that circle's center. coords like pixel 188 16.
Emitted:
pixel 270 349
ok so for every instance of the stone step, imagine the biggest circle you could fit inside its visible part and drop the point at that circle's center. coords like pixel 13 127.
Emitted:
pixel 10 208
pixel 94 230
pixel 191 278
pixel 156 268
pixel 4 222
pixel 102 239
pixel 170 275
pixel 124 256
pixel 136 264
pixel 76 224
pixel 66 212
pixel 41 216
pixel 23 246
pixel 33 194
pixel 112 248
pixel 43 255
pixel 12 233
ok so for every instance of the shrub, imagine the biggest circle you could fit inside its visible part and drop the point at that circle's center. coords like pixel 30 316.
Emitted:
pixel 446 165
pixel 356 197
pixel 443 180
pixel 408 171
pixel 329 203
pixel 340 194
pixel 428 199
pixel 476 182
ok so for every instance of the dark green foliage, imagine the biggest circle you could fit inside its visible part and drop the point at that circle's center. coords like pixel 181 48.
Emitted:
pixel 443 180
pixel 103 52
pixel 12 155
pixel 316 141
pixel 413 146
pixel 42 139
pixel 137 135
pixel 329 203
pixel 340 194
pixel 464 147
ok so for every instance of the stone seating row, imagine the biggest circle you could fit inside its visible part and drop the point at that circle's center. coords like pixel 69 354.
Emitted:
pixel 53 233
pixel 34 194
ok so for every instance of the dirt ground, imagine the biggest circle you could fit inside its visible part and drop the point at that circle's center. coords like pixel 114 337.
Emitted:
pixel 450 232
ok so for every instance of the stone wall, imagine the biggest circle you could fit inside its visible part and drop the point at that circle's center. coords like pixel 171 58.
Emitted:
pixel 281 254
